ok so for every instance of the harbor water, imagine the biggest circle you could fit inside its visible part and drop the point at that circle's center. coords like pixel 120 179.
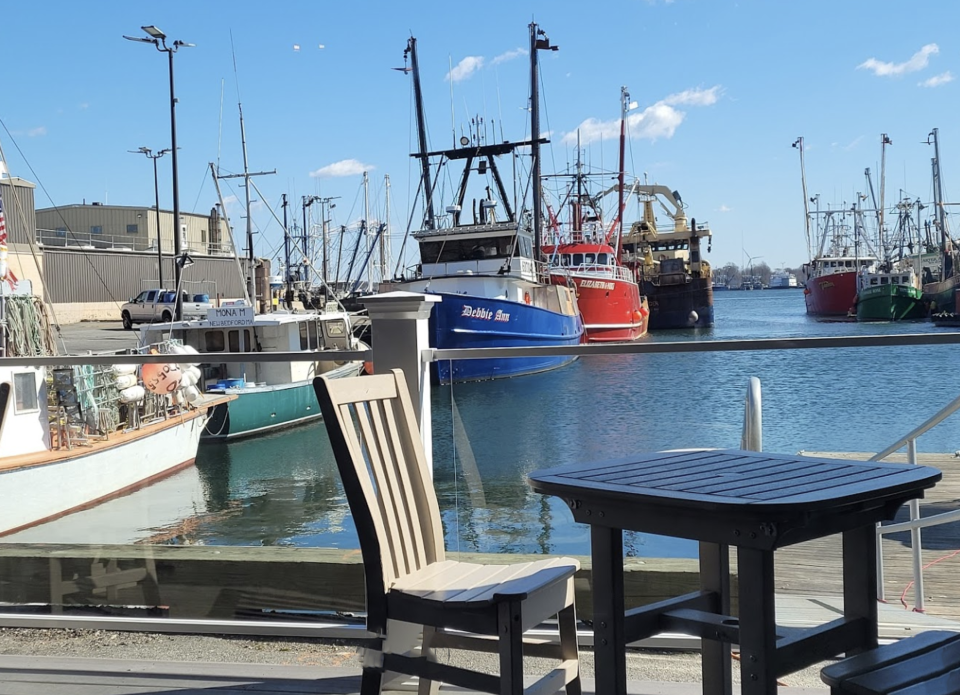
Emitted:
pixel 283 489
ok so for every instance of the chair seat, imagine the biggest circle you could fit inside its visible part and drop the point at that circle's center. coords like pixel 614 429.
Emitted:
pixel 471 585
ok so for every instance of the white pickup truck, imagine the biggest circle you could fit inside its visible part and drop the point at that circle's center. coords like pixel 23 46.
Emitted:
pixel 159 305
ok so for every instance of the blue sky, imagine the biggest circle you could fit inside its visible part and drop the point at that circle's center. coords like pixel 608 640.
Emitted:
pixel 723 89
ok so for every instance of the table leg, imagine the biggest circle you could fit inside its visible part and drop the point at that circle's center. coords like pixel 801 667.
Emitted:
pixel 860 581
pixel 758 622
pixel 610 647
pixel 715 655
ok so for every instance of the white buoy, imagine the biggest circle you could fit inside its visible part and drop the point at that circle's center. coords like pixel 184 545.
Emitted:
pixel 191 393
pixel 133 394
pixel 693 317
pixel 125 381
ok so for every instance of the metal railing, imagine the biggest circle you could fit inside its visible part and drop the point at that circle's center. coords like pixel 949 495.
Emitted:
pixel 915 523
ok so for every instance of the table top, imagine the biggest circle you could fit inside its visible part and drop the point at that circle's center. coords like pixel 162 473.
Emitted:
pixel 708 485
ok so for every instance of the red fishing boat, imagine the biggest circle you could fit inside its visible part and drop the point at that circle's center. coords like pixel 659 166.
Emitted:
pixel 586 255
pixel 608 296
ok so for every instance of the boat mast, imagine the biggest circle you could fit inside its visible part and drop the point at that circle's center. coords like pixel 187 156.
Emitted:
pixel 366 227
pixel 429 218
pixel 884 141
pixel 385 237
pixel 624 102
pixel 536 44
pixel 286 251
pixel 938 201
pixel 798 143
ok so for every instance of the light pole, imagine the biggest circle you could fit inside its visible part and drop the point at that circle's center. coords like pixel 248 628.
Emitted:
pixel 156 193
pixel 159 41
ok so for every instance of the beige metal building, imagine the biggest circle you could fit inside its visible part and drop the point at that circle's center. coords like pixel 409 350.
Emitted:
pixel 86 260
pixel 131 228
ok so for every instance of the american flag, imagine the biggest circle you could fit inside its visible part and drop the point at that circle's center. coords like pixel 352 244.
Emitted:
pixel 10 278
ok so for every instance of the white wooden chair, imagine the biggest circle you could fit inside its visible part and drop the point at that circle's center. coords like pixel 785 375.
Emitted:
pixel 377 445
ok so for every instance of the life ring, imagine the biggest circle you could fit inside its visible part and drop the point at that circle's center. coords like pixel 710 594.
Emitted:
pixel 526 297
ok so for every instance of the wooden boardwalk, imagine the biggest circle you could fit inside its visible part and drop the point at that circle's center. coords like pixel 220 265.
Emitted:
pixel 813 569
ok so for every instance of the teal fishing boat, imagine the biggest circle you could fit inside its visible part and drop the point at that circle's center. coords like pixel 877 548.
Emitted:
pixel 269 394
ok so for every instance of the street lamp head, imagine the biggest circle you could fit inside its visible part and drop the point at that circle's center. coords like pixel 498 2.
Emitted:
pixel 141 39
pixel 183 44
pixel 154 32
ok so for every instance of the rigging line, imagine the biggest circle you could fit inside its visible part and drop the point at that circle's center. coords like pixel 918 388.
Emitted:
pixel 203 181
pixel 59 213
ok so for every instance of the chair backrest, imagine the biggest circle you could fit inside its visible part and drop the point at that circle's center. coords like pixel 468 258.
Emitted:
pixel 373 430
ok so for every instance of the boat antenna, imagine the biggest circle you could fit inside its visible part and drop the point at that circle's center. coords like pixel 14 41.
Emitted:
pixel 798 143
pixel 538 42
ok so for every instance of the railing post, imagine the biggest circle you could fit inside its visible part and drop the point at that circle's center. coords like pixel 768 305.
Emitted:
pixel 399 333
pixel 915 540
pixel 752 437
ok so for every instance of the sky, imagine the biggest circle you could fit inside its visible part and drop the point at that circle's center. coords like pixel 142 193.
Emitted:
pixel 723 88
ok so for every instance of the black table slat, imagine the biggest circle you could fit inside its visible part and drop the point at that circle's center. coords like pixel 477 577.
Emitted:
pixel 701 472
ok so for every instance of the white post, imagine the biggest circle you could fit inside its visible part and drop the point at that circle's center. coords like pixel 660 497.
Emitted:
pixel 399 333
pixel 752 437
pixel 398 324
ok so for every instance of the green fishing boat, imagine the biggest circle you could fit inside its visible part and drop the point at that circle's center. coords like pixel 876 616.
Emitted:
pixel 890 296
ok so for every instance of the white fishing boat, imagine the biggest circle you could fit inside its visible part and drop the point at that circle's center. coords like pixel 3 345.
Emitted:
pixel 74 436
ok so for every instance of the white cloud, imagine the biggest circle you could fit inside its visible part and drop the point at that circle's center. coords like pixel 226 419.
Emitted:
pixel 660 120
pixel 694 97
pixel 724 208
pixel 509 55
pixel 36 132
pixel 853 144
pixel 918 61
pixel 465 68
pixel 345 167
pixel 938 80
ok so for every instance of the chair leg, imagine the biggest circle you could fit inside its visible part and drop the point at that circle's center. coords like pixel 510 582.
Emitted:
pixel 509 623
pixel 370 681
pixel 428 687
pixel 567 619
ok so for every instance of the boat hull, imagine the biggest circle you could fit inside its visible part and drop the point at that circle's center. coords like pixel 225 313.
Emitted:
pixel 613 310
pixel 683 305
pixel 48 489
pixel 464 321
pixel 831 295
pixel 890 303
pixel 259 409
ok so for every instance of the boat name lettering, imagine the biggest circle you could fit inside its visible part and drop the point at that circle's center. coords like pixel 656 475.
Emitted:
pixel 596 284
pixel 485 314
pixel 227 316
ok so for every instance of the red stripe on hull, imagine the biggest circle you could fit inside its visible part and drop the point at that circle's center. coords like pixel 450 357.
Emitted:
pixel 831 295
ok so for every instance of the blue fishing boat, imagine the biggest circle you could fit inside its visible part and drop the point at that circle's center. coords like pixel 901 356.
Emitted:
pixel 483 256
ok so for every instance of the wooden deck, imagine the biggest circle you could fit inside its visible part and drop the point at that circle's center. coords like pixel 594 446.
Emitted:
pixel 814 568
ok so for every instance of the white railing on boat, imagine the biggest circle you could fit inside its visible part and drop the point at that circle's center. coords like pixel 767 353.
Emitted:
pixel 613 272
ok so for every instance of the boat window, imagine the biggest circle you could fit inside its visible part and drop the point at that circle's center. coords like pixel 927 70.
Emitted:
pixel 873 281
pixel 565 260
pixel 833 264
pixel 308 335
pixel 233 338
pixel 590 258
pixel 884 280
pixel 453 250
pixel 577 259
pixel 213 341
pixel 603 259
pixel 25 392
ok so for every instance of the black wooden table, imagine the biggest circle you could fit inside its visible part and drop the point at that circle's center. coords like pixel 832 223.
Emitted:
pixel 757 502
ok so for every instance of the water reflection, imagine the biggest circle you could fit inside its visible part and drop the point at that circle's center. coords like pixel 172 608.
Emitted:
pixel 283 489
